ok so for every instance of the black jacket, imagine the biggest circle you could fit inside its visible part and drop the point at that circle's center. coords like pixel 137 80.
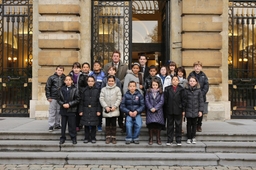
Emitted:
pixel 174 101
pixel 145 73
pixel 203 81
pixel 71 97
pixel 194 102
pixel 53 86
pixel 90 105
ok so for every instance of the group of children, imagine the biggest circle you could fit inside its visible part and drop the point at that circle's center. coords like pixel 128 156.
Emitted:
pixel 83 97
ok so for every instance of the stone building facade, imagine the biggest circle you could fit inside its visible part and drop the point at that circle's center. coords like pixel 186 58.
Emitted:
pixel 62 35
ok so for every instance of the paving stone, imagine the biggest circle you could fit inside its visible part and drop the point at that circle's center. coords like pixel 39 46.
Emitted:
pixel 116 166
pixel 47 168
pixel 72 168
pixel 108 169
pixel 164 167
pixel 93 166
pixel 104 166
pixel 96 168
pixel 59 168
pixel 245 168
pixel 126 166
pixel 186 168
pixel 120 168
pixel 84 168
pixel 233 168
pixel 198 168
pixel 131 169
pixel 174 168
pixel 69 166
pixel 222 168
pixel 138 167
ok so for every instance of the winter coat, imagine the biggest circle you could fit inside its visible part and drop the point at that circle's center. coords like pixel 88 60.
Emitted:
pixel 82 82
pixel 167 81
pixel 174 101
pixel 72 99
pixel 121 72
pixel 110 96
pixel 183 82
pixel 132 102
pixel 105 81
pixel 90 105
pixel 203 81
pixel 98 78
pixel 148 81
pixel 130 76
pixel 194 102
pixel 53 85
pixel 157 103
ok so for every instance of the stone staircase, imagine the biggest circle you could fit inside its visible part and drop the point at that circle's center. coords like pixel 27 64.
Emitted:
pixel 211 149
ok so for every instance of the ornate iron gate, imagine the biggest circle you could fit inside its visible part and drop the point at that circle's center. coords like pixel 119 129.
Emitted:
pixel 16 57
pixel 242 61
pixel 110 30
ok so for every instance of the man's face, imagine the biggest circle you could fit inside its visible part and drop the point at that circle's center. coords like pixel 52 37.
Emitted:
pixel 142 60
pixel 116 58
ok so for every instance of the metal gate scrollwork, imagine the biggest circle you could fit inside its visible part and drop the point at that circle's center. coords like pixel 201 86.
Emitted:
pixel 110 30
pixel 16 30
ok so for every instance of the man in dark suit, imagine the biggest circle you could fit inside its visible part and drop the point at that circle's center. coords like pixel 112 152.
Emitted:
pixel 120 74
pixel 143 67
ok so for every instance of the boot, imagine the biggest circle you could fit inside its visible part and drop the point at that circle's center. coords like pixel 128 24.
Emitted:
pixel 150 132
pixel 108 135
pixel 158 139
pixel 113 134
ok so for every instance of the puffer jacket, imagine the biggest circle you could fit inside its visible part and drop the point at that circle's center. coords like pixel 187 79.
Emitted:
pixel 72 100
pixel 110 96
pixel 167 81
pixel 157 103
pixel 148 81
pixel 132 102
pixel 174 101
pixel 53 85
pixel 194 102
pixel 203 81
pixel 90 105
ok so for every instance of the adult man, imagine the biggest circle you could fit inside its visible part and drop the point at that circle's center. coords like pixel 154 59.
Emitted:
pixel 143 68
pixel 120 74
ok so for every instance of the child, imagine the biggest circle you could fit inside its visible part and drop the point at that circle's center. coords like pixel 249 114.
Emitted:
pixel 68 101
pixel 132 105
pixel 152 75
pixel 52 87
pixel 204 86
pixel 154 101
pixel 98 75
pixel 112 72
pixel 166 80
pixel 85 73
pixel 194 105
pixel 134 75
pixel 182 76
pixel 110 99
pixel 90 110
pixel 75 74
pixel 174 105
pixel 172 69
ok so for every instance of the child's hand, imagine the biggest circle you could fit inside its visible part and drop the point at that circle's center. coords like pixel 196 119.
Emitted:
pixel 81 114
pixel 108 109
pixel 66 106
pixel 98 113
pixel 113 109
pixel 153 110
pixel 141 87
pixel 200 114
pixel 49 100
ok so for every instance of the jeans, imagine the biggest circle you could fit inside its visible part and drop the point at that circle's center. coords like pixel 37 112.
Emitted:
pixel 133 126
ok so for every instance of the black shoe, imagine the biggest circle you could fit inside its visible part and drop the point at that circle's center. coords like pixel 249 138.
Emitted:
pixel 51 129
pixel 74 141
pixel 62 141
pixel 93 141
pixel 57 127
pixel 86 141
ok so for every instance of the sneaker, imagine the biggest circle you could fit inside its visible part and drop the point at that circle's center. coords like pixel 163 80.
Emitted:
pixel 178 144
pixel 62 141
pixel 189 141
pixel 99 128
pixel 194 141
pixel 93 141
pixel 127 142
pixel 57 127
pixel 51 129
pixel 168 144
pixel 137 142
pixel 86 140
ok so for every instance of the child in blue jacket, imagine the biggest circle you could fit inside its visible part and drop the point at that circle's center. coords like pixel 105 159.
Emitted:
pixel 132 105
